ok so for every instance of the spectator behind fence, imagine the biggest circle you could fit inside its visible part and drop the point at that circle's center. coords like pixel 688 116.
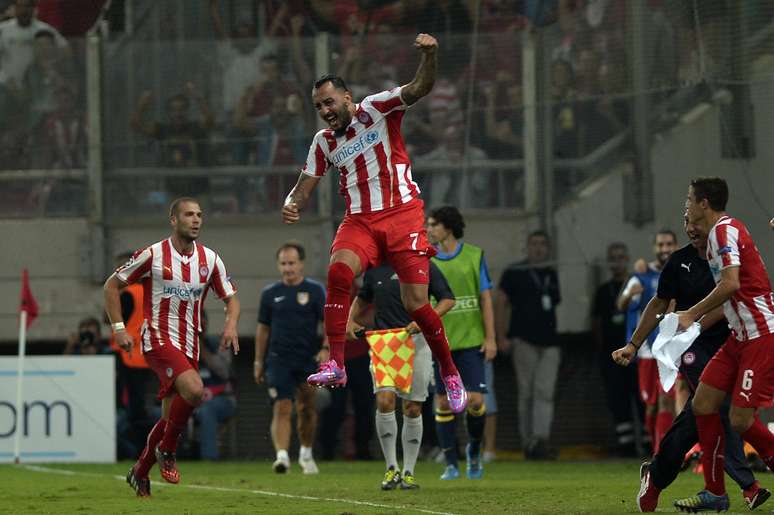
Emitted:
pixel 531 290
pixel 277 139
pixel 240 54
pixel 87 341
pixel 445 185
pixel 219 403
pixel 288 347
pixel 609 331
pixel 47 73
pixel 64 132
pixel 568 135
pixel 182 142
pixel 504 119
pixel 16 42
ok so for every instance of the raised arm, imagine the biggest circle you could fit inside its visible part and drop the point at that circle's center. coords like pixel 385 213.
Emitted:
pixel 425 76
pixel 298 198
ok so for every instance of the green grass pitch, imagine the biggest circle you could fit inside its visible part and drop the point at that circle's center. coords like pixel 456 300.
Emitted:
pixel 343 487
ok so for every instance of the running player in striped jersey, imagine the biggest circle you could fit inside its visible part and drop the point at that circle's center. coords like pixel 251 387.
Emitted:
pixel 384 220
pixel 176 274
pixel 744 366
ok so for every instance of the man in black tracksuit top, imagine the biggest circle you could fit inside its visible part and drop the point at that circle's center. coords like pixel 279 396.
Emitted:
pixel 687 279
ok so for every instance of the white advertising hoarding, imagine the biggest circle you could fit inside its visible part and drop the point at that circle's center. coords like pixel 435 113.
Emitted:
pixel 68 411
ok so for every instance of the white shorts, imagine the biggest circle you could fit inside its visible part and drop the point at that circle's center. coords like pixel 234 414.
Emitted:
pixel 423 372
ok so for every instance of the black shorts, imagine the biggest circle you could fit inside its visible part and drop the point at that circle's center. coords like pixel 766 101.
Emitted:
pixel 470 363
pixel 283 380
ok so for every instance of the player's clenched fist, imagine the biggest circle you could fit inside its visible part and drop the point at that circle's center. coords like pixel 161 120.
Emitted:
pixel 290 213
pixel 426 43
pixel 625 354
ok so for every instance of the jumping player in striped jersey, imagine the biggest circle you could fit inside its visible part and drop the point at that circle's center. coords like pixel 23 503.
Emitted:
pixel 744 366
pixel 176 275
pixel 384 220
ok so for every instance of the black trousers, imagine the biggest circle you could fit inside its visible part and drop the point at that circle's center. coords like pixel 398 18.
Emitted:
pixel 360 387
pixel 623 398
pixel 683 435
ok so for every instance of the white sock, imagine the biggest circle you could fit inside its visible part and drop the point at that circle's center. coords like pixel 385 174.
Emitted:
pixel 411 437
pixel 387 431
pixel 305 453
pixel 282 454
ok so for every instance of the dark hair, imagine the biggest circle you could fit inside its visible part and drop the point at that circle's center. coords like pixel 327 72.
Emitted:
pixel 451 218
pixel 174 207
pixel 714 189
pixel 335 80
pixel 538 233
pixel 179 97
pixel 664 230
pixel 617 245
pixel 292 245
pixel 87 322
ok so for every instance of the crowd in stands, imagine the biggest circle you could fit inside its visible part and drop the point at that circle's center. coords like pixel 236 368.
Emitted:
pixel 250 105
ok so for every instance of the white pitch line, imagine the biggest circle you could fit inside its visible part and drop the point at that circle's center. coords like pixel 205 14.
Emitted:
pixel 268 493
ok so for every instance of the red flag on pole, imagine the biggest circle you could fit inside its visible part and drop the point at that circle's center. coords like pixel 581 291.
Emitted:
pixel 28 302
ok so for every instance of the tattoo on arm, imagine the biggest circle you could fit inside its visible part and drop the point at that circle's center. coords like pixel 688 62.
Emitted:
pixel 303 189
pixel 423 79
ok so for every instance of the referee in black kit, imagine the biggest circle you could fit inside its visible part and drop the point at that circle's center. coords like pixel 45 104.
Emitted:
pixel 686 279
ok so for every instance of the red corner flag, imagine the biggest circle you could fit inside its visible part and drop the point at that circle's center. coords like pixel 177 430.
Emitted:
pixel 28 302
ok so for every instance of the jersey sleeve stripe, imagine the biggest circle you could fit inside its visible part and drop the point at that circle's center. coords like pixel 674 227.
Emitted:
pixel 385 106
pixel 142 270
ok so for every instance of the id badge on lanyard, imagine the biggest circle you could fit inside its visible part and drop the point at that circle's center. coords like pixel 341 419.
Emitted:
pixel 545 298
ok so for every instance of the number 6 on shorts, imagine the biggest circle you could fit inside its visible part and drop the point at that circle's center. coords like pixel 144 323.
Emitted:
pixel 747 378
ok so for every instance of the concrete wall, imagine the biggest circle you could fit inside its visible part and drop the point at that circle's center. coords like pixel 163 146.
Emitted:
pixel 52 252
pixel 586 226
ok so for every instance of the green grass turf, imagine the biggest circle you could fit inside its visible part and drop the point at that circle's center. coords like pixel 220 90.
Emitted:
pixel 507 487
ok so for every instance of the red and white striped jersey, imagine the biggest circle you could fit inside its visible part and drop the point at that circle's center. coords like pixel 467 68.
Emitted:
pixel 374 167
pixel 175 286
pixel 750 312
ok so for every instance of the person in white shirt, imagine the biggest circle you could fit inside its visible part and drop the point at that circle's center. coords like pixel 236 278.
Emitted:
pixel 16 42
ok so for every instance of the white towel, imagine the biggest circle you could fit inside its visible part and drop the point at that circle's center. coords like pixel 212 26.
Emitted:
pixel 669 347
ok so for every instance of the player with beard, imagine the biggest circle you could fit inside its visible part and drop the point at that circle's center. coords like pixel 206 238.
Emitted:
pixel 639 290
pixel 176 274
pixel 686 279
pixel 384 218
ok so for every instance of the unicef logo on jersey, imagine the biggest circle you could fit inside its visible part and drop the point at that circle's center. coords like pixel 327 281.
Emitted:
pixel 359 145
pixel 182 293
